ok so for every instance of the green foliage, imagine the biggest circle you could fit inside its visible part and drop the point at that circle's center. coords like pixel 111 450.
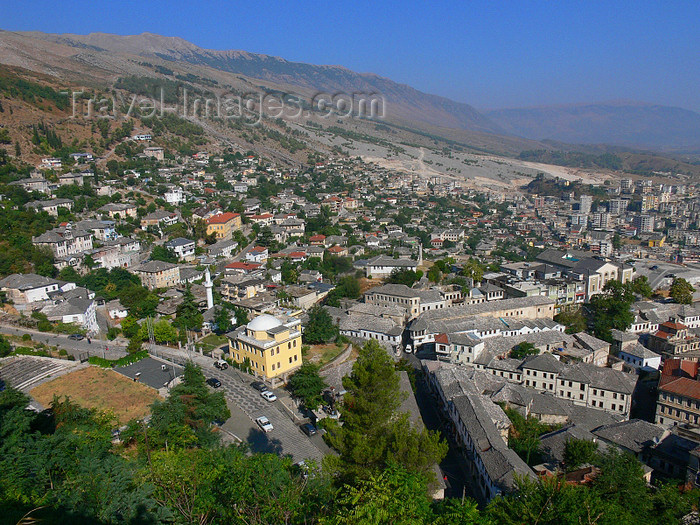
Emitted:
pixel 161 253
pixel 524 435
pixel 306 385
pixel 578 452
pixel 347 286
pixel 523 349
pixel 118 363
pixel 320 327
pixel 572 158
pixel 188 316
pixel 184 419
pixel 374 435
pixel 434 274
pixel 5 347
pixel 681 291
pixel 407 277
pixel 474 270
pixel 611 309
pixel 574 320
pixel 16 87
pixel 642 287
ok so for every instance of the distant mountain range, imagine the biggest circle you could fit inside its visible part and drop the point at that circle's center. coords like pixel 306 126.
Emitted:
pixel 633 125
pixel 629 124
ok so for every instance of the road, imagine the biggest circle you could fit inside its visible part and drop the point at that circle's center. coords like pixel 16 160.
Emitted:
pixel 285 439
pixel 454 466
pixel 101 348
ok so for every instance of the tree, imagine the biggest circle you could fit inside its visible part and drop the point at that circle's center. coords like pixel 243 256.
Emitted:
pixel 374 435
pixel 188 316
pixel 320 327
pixel 474 270
pixel 523 349
pixel 681 291
pixel 611 309
pixel 578 452
pixel 185 418
pixel 407 277
pixel 161 253
pixel 642 287
pixel 434 274
pixel 306 385
pixel 574 320
pixel 222 318
pixel 5 347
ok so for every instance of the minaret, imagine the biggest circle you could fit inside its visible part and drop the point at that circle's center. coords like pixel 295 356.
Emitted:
pixel 208 285
pixel 420 254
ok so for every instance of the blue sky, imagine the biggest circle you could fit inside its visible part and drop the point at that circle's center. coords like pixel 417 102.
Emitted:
pixel 487 53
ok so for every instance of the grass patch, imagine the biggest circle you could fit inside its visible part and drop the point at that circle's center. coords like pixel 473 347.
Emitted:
pixel 212 342
pixel 322 354
pixel 103 390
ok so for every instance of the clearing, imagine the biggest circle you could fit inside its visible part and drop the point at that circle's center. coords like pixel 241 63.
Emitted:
pixel 212 342
pixel 322 354
pixel 101 389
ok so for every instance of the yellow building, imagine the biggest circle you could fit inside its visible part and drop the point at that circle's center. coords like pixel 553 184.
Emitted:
pixel 224 224
pixel 273 346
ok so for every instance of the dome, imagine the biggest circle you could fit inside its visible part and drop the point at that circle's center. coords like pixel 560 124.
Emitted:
pixel 263 323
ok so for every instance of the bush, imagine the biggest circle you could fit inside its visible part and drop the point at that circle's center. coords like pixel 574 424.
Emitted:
pixel 118 363
pixel 26 337
pixel 112 333
pixel 63 352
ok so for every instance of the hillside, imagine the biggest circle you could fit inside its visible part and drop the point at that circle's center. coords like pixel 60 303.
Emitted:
pixel 624 123
pixel 403 101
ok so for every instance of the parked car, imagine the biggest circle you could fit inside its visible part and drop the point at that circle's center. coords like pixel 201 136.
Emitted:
pixel 308 429
pixel 259 385
pixel 268 396
pixel 76 337
pixel 264 424
pixel 221 364
pixel 408 349
pixel 213 382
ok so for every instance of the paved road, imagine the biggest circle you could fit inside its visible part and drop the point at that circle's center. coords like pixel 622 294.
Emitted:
pixel 101 348
pixel 286 438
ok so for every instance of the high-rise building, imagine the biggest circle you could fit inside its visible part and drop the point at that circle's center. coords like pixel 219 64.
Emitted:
pixel 643 223
pixel 586 204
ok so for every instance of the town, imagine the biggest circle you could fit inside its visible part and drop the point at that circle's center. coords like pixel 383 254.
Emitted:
pixel 548 315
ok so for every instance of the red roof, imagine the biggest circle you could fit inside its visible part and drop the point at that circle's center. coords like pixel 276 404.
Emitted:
pixel 317 237
pixel 336 249
pixel 442 339
pixel 243 266
pixel 222 218
pixel 297 255
pixel 681 386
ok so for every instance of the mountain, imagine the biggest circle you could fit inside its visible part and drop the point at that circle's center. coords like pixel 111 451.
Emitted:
pixel 402 102
pixel 629 124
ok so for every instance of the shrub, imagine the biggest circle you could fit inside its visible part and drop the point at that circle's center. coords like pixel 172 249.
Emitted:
pixel 26 337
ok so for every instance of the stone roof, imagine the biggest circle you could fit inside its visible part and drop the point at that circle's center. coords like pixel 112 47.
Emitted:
pixel 602 378
pixel 26 281
pixel 634 435
pixel 637 350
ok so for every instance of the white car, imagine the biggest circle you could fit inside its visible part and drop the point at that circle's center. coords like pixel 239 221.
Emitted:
pixel 268 396
pixel 264 424
pixel 408 349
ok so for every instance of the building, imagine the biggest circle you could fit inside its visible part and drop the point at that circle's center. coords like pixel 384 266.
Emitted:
pixel 51 206
pixel 638 356
pixel 118 210
pixel 158 274
pixel 155 152
pixel 183 248
pixel 65 241
pixel 258 254
pixel 413 301
pixel 27 288
pixel 74 310
pixel 223 225
pixel 428 324
pixel 674 339
pixel 174 195
pixel 271 345
pixel 166 218
pixel 678 393
pixel 382 266
pixel 643 223
pixel 223 248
